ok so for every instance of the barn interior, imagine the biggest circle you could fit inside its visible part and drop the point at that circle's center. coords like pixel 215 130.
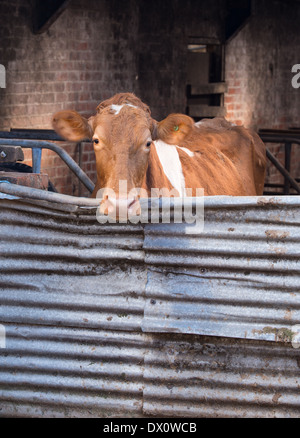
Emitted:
pixel 233 58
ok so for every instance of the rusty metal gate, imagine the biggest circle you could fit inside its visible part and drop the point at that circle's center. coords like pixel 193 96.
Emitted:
pixel 108 320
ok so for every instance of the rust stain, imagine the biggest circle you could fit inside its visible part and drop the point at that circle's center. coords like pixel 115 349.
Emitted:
pixel 34 180
pixel 267 201
pixel 278 235
pixel 280 335
pixel 279 251
pixel 288 315
pixel 276 397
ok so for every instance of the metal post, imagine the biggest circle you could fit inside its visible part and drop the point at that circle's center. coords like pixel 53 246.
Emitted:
pixel 79 147
pixel 36 160
pixel 283 171
pixel 288 151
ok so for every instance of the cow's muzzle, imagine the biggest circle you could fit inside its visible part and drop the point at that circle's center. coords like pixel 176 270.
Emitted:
pixel 120 208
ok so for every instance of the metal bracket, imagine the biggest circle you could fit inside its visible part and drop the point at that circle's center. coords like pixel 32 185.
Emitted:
pixel 11 154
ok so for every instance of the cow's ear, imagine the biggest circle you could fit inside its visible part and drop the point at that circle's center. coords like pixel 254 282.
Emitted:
pixel 154 129
pixel 71 126
pixel 174 128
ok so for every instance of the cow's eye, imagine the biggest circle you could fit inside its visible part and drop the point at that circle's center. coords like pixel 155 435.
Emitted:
pixel 148 144
pixel 95 141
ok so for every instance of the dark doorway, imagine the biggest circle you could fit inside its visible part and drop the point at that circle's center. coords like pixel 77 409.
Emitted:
pixel 205 79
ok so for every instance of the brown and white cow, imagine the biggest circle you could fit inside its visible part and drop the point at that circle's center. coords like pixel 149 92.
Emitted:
pixel 175 153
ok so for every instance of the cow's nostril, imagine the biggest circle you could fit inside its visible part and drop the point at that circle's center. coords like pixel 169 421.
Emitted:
pixel 121 208
pixel 133 201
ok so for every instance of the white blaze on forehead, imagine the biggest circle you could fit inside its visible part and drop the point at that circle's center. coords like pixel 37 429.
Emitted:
pixel 117 108
pixel 171 164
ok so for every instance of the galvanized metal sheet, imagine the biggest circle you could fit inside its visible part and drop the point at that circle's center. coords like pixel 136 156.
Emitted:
pixel 194 376
pixel 110 320
pixel 238 278
pixel 67 270
pixel 67 372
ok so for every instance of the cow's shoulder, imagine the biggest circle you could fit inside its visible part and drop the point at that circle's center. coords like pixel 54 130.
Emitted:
pixel 230 138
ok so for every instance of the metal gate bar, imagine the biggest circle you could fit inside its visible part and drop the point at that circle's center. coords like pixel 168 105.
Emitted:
pixel 38 145
pixel 289 139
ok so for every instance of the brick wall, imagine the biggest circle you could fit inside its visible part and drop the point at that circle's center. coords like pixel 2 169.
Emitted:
pixel 71 66
pixel 94 50
pixel 259 61
pixel 98 48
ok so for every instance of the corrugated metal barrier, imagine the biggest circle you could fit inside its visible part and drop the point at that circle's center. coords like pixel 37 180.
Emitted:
pixel 108 320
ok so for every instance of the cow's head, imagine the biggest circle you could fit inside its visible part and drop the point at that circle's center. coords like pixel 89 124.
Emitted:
pixel 122 132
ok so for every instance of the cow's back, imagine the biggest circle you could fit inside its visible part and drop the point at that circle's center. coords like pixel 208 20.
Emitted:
pixel 243 147
pixel 217 156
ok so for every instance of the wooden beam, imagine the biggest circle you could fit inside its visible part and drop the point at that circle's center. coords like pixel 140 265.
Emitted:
pixel 206 89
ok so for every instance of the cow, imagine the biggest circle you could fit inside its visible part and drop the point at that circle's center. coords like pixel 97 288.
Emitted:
pixel 175 154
